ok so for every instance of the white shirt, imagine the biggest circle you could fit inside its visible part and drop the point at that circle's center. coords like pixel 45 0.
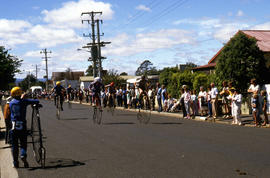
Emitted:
pixel 214 93
pixel 237 100
pixel 187 97
pixel 254 88
pixel 202 94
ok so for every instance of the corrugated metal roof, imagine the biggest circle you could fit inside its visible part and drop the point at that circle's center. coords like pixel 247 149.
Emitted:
pixel 263 37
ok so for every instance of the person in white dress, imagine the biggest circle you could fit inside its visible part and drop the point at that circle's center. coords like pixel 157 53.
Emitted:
pixel 202 101
pixel 236 107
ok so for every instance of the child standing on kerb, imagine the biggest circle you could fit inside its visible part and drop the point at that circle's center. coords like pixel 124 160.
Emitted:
pixel 255 108
pixel 18 132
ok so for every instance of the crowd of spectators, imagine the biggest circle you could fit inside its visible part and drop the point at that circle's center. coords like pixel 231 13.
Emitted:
pixel 208 103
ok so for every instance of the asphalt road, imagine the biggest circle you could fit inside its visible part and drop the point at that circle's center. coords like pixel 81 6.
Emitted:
pixel 166 147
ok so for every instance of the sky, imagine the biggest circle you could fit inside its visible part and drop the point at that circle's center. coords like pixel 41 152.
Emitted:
pixel 165 32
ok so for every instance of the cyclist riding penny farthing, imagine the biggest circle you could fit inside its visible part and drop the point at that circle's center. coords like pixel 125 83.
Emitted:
pixel 96 87
pixel 144 113
pixel 58 98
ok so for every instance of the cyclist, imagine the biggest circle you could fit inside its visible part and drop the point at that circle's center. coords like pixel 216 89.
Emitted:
pixel 112 92
pixel 96 87
pixel 143 85
pixel 69 92
pixel 58 92
pixel 18 131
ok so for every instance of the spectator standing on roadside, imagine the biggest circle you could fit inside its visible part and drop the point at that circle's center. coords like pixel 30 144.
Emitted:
pixel 187 98
pixel 209 104
pixel 202 101
pixel 255 107
pixel 18 132
pixel 194 103
pixel 80 95
pixel 151 96
pixel 182 103
pixel 224 95
pixel 214 100
pixel 264 107
pixel 254 87
pixel 128 96
pixel 7 119
pixel 133 97
pixel 236 107
pixel 159 98
pixel 163 93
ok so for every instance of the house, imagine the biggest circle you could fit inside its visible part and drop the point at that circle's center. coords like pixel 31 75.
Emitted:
pixel 67 78
pixel 263 42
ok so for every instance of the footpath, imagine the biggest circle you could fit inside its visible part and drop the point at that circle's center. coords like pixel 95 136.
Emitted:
pixel 6 169
pixel 247 120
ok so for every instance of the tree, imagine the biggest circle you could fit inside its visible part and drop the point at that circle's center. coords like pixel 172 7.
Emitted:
pixel 146 68
pixel 112 76
pixel 240 61
pixel 9 66
pixel 89 71
pixel 166 74
pixel 124 74
pixel 200 80
pixel 28 81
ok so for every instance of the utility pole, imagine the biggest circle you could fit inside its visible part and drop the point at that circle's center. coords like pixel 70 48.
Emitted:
pixel 46 62
pixel 36 71
pixel 93 36
pixel 99 49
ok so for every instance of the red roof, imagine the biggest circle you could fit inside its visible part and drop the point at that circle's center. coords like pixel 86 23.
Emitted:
pixel 262 37
pixel 211 65
pixel 263 42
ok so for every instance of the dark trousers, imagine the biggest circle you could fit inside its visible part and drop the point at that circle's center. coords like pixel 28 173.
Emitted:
pixel 183 109
pixel 16 136
pixel 159 104
pixel 210 108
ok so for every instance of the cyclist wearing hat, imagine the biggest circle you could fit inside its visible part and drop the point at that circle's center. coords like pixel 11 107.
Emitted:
pixel 59 92
pixel 96 87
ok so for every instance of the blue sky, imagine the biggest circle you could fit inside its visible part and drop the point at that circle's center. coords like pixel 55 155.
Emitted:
pixel 164 32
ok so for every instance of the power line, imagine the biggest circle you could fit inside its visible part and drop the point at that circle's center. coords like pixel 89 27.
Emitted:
pixel 166 11
pixel 139 14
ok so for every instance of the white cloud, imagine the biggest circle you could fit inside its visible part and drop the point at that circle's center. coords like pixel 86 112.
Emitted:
pixel 10 26
pixel 48 37
pixel 264 26
pixel 69 14
pixel 240 13
pixel 143 8
pixel 219 29
pixel 124 45
pixel 32 54
pixel 228 30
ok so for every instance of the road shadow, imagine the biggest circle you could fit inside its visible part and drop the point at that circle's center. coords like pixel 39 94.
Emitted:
pixel 118 123
pixel 56 163
pixel 167 123
pixel 79 109
pixel 118 114
pixel 73 119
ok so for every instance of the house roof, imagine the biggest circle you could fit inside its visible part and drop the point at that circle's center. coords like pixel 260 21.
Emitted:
pixel 263 42
pixel 262 37
pixel 211 65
